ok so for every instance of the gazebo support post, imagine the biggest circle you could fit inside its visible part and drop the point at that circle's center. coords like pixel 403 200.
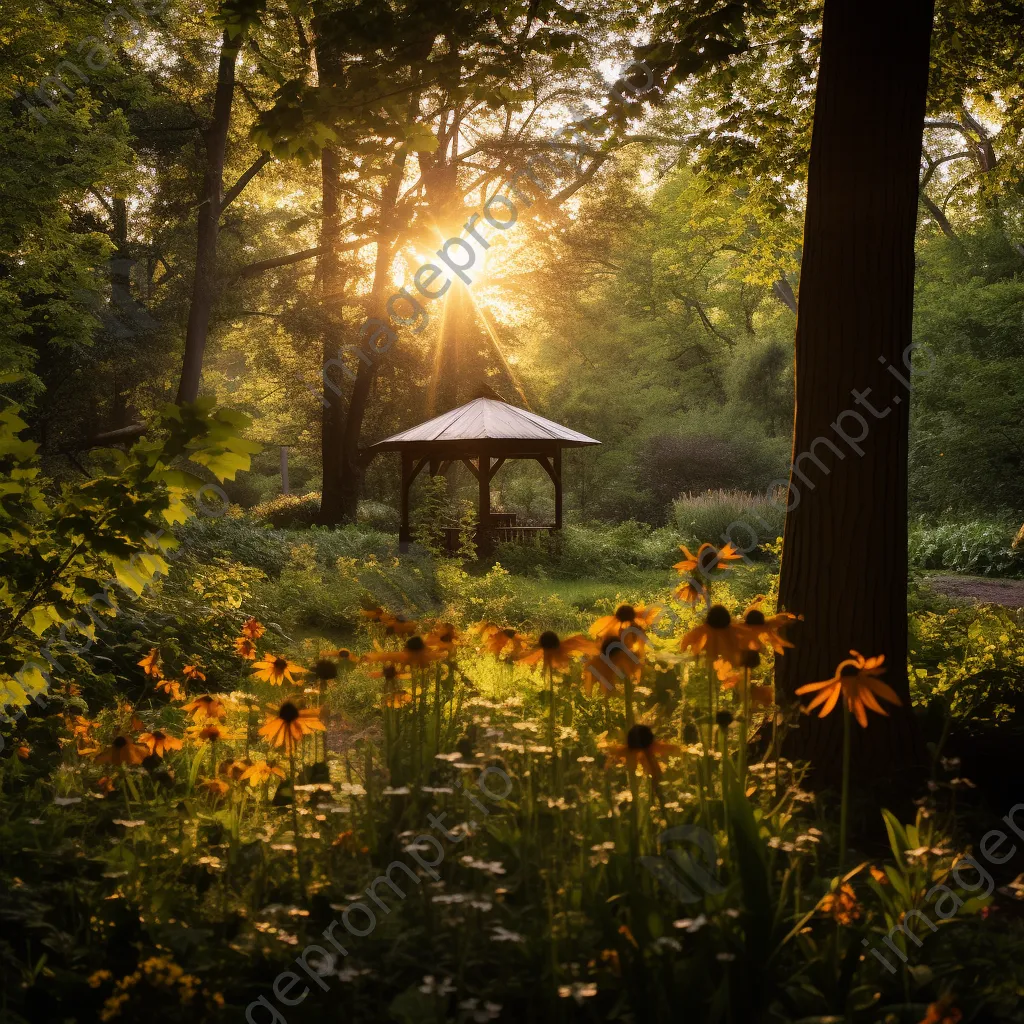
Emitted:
pixel 404 532
pixel 557 460
pixel 483 531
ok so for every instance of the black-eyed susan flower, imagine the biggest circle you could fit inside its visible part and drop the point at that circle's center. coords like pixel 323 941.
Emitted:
pixel 325 670
pixel 194 673
pixel 397 698
pixel 444 636
pixel 346 660
pixel 253 628
pixel 159 743
pixel 212 732
pixel 171 687
pixel 842 906
pixel 556 653
pixel 245 647
pixel 122 750
pixel 398 625
pixel 150 664
pixel 735 679
pixel 276 670
pixel 856 679
pixel 642 748
pixel 217 788
pixel 942 1011
pixel 415 652
pixel 707 560
pixel 505 643
pixel 691 591
pixel 765 628
pixel 261 772
pixel 204 707
pixel 287 726
pixel 372 614
pixel 627 618
pixel 613 662
pixel 718 637
pixel 233 769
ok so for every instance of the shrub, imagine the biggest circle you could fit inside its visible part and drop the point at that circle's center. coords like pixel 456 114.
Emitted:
pixel 722 515
pixel 289 510
pixel 378 516
pixel 974 546
pixel 720 458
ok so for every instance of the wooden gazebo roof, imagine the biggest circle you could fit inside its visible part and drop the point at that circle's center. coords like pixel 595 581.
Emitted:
pixel 482 435
pixel 484 419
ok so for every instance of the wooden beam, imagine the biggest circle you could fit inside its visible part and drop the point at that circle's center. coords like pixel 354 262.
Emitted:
pixel 469 465
pixel 557 476
pixel 497 465
pixel 483 533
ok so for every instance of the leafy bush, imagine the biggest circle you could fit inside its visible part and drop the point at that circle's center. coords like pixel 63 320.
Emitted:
pixel 723 515
pixel 594 551
pixel 378 516
pixel 712 460
pixel 974 546
pixel 289 510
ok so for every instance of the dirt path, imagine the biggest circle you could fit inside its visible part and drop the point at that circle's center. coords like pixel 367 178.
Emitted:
pixel 1009 593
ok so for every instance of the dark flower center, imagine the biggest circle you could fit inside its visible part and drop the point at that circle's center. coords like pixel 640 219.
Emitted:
pixel 549 641
pixel 724 719
pixel 625 613
pixel 510 633
pixel 344 654
pixel 640 737
pixel 288 713
pixel 120 742
pixel 390 672
pixel 690 733
pixel 755 617
pixel 280 664
pixel 750 659
pixel 446 638
pixel 850 670
pixel 707 559
pixel 325 669
pixel 158 735
pixel 718 617
pixel 611 644
pixel 415 643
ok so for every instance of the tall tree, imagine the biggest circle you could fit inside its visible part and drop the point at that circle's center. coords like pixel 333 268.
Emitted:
pixel 844 564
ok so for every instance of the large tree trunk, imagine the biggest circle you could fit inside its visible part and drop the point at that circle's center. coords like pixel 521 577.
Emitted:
pixel 844 563
pixel 332 420
pixel 343 468
pixel 203 286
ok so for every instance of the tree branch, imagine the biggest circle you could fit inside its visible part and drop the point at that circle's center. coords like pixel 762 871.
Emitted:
pixel 233 193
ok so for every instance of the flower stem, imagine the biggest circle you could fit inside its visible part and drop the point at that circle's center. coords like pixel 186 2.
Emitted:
pixel 844 804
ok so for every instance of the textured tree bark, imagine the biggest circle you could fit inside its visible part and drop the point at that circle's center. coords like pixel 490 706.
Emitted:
pixel 343 468
pixel 203 285
pixel 844 563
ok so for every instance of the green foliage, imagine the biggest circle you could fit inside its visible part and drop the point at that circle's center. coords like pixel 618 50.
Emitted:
pixel 431 516
pixel 972 546
pixel 288 510
pixel 64 551
pixel 749 521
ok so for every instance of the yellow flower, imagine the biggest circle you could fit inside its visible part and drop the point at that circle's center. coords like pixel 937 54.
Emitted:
pixel 150 664
pixel 159 743
pixel 505 643
pixel 612 663
pixel 718 638
pixel 245 647
pixel 766 628
pixel 289 724
pixel 397 625
pixel 171 687
pixel 253 628
pixel 629 618
pixel 443 636
pixel 122 750
pixel 856 680
pixel 555 653
pixel 205 707
pixel 707 560
pixel 261 772
pixel 415 653
pixel 194 672
pixel 276 670
pixel 642 748
pixel 842 905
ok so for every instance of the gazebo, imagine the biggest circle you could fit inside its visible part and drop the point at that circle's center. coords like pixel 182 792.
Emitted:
pixel 483 435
